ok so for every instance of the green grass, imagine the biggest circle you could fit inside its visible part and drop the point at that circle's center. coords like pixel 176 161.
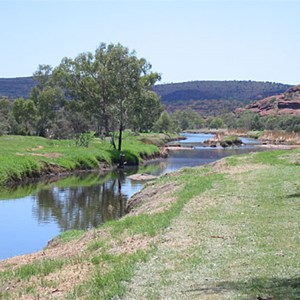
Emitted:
pixel 265 225
pixel 24 157
pixel 69 235
pixel 112 283
pixel 41 268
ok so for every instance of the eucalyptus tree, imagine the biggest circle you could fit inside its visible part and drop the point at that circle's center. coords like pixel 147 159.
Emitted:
pixel 145 112
pixel 47 97
pixel 165 123
pixel 25 114
pixel 188 119
pixel 107 83
pixel 130 77
pixel 5 115
pixel 84 81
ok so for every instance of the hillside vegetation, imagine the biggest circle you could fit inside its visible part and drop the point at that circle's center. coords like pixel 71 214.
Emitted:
pixel 215 97
pixel 229 90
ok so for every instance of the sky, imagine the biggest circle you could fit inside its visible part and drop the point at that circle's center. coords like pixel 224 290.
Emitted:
pixel 183 40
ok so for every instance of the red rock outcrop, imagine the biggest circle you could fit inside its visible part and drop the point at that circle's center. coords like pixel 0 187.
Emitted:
pixel 286 103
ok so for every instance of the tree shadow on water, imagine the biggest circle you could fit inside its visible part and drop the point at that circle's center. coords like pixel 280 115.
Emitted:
pixel 256 288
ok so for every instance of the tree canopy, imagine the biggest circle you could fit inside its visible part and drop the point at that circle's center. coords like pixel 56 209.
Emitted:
pixel 105 91
pixel 112 85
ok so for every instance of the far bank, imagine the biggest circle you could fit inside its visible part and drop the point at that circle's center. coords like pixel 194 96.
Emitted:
pixel 24 157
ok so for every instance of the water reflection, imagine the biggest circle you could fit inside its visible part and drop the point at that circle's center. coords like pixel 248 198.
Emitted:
pixel 40 211
pixel 82 207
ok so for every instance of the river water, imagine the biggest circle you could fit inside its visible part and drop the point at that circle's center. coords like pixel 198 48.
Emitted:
pixel 32 215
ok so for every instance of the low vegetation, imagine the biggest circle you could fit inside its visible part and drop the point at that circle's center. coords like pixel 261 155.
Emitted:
pixel 223 231
pixel 30 157
pixel 280 137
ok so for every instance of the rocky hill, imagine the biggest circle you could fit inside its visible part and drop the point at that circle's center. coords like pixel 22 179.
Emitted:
pixel 285 103
pixel 215 97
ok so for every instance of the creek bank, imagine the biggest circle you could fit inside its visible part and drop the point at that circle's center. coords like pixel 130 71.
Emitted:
pixel 53 171
pixel 272 137
pixel 26 159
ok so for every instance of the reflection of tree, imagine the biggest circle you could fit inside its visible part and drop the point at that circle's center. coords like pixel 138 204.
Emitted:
pixel 88 200
pixel 82 207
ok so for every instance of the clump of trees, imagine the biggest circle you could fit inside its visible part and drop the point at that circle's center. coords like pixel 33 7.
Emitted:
pixel 179 120
pixel 105 91
pixel 185 119
pixel 252 121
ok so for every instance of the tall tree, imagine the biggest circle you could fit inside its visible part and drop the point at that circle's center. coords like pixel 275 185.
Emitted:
pixel 165 123
pixel 47 97
pixel 129 77
pixel 108 82
pixel 84 80
pixel 145 111
pixel 5 115
pixel 25 114
pixel 188 119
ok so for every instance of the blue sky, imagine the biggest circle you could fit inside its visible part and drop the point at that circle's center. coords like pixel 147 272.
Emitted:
pixel 183 40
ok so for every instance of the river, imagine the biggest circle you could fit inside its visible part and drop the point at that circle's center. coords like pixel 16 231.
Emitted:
pixel 32 215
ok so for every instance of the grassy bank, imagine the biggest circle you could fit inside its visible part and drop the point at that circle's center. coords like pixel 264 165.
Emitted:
pixel 224 231
pixel 26 157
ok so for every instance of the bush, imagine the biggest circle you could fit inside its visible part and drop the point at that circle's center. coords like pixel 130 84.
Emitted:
pixel 84 139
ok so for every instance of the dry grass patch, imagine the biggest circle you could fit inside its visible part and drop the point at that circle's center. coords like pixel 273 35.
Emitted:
pixel 294 158
pixel 55 285
pixel 131 244
pixel 153 199
pixel 222 166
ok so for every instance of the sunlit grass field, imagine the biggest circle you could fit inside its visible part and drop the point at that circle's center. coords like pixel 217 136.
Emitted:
pixel 22 157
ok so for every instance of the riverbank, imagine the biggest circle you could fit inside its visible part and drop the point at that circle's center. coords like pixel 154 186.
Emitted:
pixel 270 137
pixel 228 230
pixel 24 158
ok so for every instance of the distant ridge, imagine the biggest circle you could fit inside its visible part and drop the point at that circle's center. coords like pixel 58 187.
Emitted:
pixel 207 97
pixel 16 87
pixel 229 90
pixel 215 97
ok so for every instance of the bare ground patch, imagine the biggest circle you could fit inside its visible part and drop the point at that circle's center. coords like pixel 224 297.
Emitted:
pixel 48 155
pixel 152 199
pixel 53 286
pixel 131 244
